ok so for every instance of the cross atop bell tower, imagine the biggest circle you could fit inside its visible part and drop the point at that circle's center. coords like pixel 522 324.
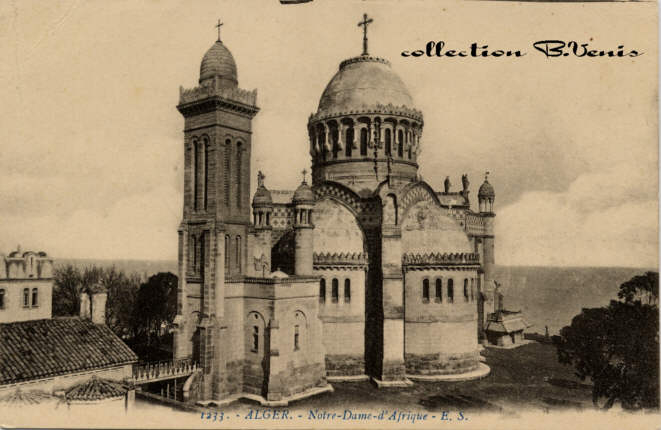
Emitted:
pixel 220 24
pixel 364 23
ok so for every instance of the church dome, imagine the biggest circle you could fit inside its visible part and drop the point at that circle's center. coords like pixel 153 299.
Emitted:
pixel 303 194
pixel 486 190
pixel 219 62
pixel 262 197
pixel 362 82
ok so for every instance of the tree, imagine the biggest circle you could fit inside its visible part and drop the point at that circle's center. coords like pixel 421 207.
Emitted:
pixel 617 346
pixel 156 303
pixel 66 290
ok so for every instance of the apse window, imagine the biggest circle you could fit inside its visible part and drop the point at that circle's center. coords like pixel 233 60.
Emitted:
pixel 2 298
pixel 450 291
pixel 35 297
pixel 347 291
pixel 255 339
pixel 425 291
pixel 26 297
pixel 335 291
pixel 439 291
pixel 296 338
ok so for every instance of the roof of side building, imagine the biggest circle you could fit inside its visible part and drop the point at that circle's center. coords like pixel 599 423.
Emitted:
pixel 49 347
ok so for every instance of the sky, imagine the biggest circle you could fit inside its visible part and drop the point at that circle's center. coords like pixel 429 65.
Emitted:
pixel 91 143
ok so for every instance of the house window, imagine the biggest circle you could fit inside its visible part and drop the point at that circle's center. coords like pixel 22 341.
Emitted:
pixel 255 339
pixel 425 291
pixel 439 290
pixel 347 290
pixel 465 290
pixel 450 291
pixel 35 297
pixel 26 297
pixel 2 299
pixel 296 337
pixel 322 291
pixel 335 293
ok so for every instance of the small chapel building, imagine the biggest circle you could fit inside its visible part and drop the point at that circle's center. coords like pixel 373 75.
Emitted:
pixel 48 361
pixel 366 271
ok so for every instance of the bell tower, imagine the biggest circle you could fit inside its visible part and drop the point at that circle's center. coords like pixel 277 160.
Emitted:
pixel 216 211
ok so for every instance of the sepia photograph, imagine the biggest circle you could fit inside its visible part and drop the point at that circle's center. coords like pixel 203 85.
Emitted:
pixel 329 214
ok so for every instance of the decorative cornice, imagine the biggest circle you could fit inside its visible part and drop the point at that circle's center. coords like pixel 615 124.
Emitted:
pixel 363 59
pixel 245 97
pixel 331 260
pixel 378 109
pixel 454 259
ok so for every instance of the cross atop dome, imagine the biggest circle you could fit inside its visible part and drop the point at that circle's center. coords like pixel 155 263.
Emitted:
pixel 220 24
pixel 364 23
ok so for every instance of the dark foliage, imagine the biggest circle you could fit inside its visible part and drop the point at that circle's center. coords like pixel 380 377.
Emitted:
pixel 139 313
pixel 617 346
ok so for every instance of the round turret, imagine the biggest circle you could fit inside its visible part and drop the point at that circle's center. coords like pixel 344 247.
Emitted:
pixel 219 63
pixel 262 198
pixel 303 194
pixel 486 196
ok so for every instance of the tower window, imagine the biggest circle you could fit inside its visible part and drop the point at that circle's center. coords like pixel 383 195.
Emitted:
pixel 400 149
pixel 425 291
pixel 465 290
pixel 296 338
pixel 388 142
pixel 228 245
pixel 439 291
pixel 363 142
pixel 226 175
pixel 322 291
pixel 335 290
pixel 238 253
pixel 347 290
pixel 472 289
pixel 348 143
pixel 35 297
pixel 205 184
pixel 2 298
pixel 450 291
pixel 239 156
pixel 196 173
pixel 26 297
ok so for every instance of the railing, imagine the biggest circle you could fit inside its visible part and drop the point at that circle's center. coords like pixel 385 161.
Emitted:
pixel 157 371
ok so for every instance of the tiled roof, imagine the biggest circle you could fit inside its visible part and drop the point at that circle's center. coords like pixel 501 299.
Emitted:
pixel 48 347
pixel 95 389
pixel 18 396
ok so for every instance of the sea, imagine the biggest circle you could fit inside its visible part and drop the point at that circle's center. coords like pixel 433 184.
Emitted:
pixel 547 296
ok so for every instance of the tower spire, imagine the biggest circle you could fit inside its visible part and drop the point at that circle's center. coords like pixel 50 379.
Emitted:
pixel 364 23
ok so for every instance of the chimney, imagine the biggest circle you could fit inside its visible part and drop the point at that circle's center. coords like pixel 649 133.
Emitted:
pixel 99 307
pixel 93 303
pixel 85 305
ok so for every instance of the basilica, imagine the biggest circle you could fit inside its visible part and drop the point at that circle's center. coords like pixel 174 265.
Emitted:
pixel 362 271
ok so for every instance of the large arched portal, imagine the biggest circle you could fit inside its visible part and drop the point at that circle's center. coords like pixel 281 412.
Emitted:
pixel 340 261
